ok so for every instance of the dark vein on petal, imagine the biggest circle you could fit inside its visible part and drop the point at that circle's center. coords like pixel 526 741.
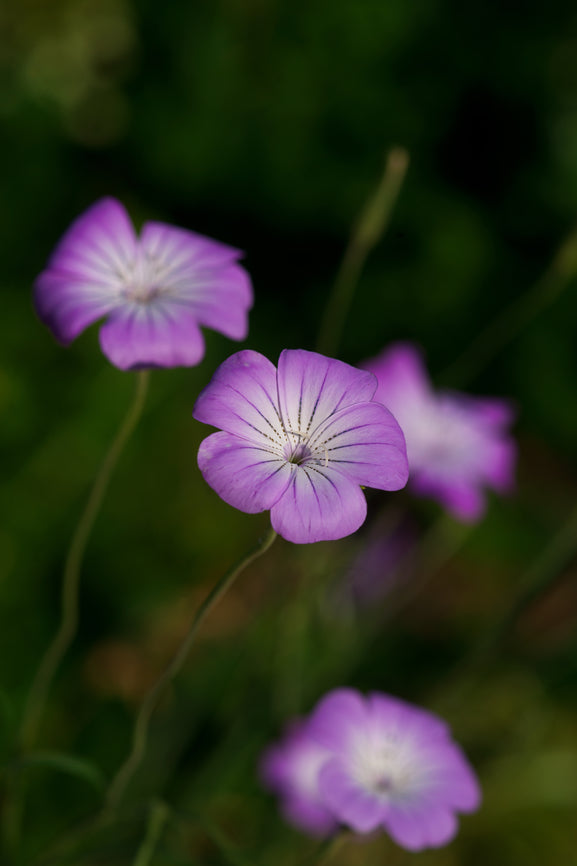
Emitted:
pixel 317 401
pixel 257 410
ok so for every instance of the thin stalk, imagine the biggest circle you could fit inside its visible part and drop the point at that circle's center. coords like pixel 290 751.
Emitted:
pixel 157 818
pixel 70 584
pixel 150 702
pixel 371 226
pixel 516 316
pixel 537 580
pixel 328 848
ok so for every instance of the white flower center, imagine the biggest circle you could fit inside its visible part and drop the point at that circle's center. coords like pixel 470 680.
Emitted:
pixel 145 279
pixel 384 767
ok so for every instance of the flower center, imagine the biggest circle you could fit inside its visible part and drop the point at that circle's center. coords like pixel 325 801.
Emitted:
pixel 144 281
pixel 384 769
pixel 298 453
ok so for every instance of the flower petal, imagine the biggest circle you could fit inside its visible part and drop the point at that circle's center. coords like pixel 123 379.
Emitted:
pixel 337 718
pixel 461 497
pixel 365 442
pixel 241 398
pixel 319 505
pixel 202 274
pixel 291 768
pixel 85 275
pixel 245 475
pixel 402 378
pixel 393 717
pixel 312 387
pixel 426 826
pixel 358 809
pixel 447 778
pixel 151 335
pixel 68 305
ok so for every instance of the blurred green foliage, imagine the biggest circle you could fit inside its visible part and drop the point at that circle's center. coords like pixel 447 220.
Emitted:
pixel 265 124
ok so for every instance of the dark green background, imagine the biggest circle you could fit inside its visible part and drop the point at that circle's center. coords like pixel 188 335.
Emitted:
pixel 265 124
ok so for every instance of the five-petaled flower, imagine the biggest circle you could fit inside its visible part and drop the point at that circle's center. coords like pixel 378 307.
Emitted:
pixel 370 763
pixel 155 290
pixel 456 444
pixel 299 441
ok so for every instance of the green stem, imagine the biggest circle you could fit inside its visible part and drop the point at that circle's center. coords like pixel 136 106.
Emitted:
pixel 517 315
pixel 70 584
pixel 328 848
pixel 150 702
pixel 372 224
pixel 537 580
pixel 157 819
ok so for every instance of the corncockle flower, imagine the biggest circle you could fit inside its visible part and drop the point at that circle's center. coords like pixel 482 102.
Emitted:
pixel 456 444
pixel 291 768
pixel 155 290
pixel 299 441
pixel 394 766
pixel 387 765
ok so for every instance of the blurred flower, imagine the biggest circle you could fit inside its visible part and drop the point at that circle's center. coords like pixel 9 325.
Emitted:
pixel 456 444
pixel 291 768
pixel 386 764
pixel 299 442
pixel 155 289
pixel 380 565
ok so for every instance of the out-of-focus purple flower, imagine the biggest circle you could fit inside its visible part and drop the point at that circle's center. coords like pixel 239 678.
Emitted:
pixel 300 442
pixel 155 290
pixel 291 768
pixel 391 766
pixel 456 444
pixel 380 565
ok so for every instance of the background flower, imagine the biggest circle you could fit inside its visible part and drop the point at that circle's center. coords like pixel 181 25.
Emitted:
pixel 299 442
pixel 156 289
pixel 393 766
pixel 456 445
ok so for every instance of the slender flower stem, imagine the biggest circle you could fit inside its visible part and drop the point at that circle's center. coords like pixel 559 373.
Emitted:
pixel 150 702
pixel 70 584
pixel 514 317
pixel 537 580
pixel 157 818
pixel 329 848
pixel 371 226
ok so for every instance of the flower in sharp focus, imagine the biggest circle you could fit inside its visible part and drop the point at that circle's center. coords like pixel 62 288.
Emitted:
pixel 456 444
pixel 299 441
pixel 387 765
pixel 155 290
pixel 291 768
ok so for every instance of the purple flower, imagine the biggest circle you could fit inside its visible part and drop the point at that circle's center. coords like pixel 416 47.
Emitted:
pixel 373 763
pixel 155 290
pixel 393 766
pixel 291 768
pixel 456 444
pixel 382 563
pixel 300 442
